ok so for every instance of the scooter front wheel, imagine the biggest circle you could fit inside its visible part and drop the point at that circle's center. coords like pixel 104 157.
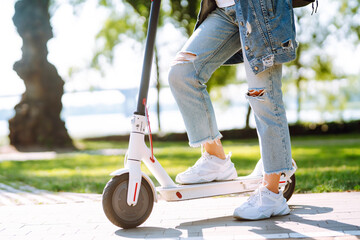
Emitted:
pixel 115 205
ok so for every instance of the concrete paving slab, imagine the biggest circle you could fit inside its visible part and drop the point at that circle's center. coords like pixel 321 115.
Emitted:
pixel 314 216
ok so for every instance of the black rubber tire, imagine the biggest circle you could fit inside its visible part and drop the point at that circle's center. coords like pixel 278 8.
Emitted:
pixel 114 201
pixel 289 188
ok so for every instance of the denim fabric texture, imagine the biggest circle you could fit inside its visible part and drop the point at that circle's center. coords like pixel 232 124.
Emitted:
pixel 209 47
pixel 267 30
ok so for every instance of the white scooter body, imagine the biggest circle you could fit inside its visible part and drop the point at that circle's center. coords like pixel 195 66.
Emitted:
pixel 138 152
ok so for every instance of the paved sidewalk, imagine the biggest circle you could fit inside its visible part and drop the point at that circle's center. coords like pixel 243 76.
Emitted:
pixel 314 216
pixel 28 195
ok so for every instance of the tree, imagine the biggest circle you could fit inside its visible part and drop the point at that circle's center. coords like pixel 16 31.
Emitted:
pixel 37 120
pixel 313 62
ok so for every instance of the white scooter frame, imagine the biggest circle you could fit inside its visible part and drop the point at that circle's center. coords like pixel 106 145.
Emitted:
pixel 168 190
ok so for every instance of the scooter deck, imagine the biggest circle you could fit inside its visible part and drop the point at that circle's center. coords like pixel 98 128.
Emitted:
pixel 186 192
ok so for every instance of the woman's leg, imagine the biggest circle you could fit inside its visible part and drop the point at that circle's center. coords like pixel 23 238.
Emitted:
pixel 265 97
pixel 215 41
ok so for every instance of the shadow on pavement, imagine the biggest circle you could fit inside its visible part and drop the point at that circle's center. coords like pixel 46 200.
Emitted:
pixel 290 225
pixel 149 232
pixel 275 225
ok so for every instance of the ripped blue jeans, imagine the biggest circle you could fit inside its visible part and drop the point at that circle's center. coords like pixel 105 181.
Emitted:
pixel 213 42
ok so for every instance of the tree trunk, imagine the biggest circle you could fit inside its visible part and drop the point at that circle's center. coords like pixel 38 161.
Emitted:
pixel 37 120
pixel 298 80
pixel 247 122
pixel 298 99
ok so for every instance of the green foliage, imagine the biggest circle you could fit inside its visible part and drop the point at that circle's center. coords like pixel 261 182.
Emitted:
pixel 118 26
pixel 184 14
pixel 132 24
pixel 326 163
pixel 221 77
pixel 315 34
pixel 349 17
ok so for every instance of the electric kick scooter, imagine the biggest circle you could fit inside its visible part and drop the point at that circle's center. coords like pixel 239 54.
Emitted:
pixel 128 198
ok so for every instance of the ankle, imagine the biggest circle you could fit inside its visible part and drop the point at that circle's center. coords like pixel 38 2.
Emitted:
pixel 271 182
pixel 215 148
pixel 273 189
pixel 218 155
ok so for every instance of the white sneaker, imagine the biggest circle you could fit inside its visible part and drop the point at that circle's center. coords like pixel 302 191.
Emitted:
pixel 207 169
pixel 263 204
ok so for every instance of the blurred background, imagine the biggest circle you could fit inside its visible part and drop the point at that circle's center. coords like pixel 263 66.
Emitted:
pixel 71 69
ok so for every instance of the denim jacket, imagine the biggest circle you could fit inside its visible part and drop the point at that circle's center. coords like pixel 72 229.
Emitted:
pixel 267 30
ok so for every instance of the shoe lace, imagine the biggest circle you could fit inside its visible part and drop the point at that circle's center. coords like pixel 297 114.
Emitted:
pixel 198 162
pixel 256 199
pixel 253 199
pixel 204 157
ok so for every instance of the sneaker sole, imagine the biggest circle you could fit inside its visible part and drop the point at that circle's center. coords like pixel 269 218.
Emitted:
pixel 284 211
pixel 260 218
pixel 228 176
pixel 225 177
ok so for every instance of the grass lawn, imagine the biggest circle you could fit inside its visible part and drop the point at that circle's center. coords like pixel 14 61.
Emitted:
pixel 326 163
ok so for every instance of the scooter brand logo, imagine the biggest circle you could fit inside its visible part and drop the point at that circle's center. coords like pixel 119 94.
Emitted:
pixel 138 124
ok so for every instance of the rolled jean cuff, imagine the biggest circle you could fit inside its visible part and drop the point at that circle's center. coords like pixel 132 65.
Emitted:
pixel 206 140
pixel 287 171
pixel 283 170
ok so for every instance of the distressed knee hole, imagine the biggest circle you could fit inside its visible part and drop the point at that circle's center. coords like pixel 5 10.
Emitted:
pixel 256 94
pixel 182 57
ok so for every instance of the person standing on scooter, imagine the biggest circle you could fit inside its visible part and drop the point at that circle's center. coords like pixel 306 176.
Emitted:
pixel 261 34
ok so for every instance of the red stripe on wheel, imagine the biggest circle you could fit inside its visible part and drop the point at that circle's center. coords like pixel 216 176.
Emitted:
pixel 135 191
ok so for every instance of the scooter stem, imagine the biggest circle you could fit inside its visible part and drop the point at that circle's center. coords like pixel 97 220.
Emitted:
pixel 137 148
pixel 148 56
